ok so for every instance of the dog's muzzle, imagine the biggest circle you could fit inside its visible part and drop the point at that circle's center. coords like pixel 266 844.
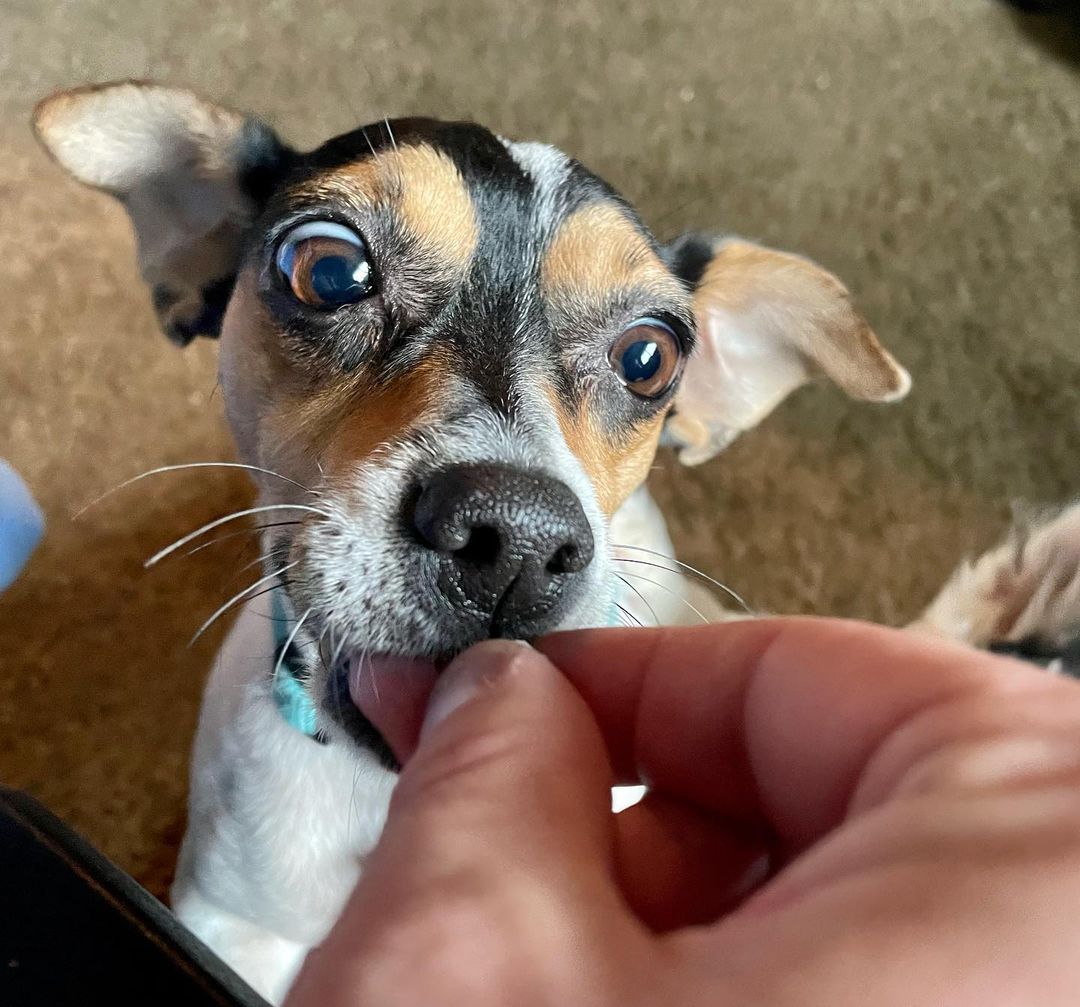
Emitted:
pixel 510 546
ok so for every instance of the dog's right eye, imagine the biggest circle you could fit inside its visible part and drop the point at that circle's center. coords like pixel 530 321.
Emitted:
pixel 326 265
pixel 647 357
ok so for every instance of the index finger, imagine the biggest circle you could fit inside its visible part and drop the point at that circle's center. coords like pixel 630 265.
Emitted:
pixel 768 720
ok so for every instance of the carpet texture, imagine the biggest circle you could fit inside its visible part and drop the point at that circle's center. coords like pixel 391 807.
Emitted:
pixel 928 152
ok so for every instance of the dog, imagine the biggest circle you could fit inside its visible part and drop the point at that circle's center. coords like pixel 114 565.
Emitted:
pixel 448 360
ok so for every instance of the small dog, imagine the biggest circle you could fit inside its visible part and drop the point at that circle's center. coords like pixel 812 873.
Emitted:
pixel 449 360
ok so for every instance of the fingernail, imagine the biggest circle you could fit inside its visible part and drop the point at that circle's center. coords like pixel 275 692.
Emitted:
pixel 468 675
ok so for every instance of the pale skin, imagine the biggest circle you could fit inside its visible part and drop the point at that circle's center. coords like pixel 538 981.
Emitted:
pixel 840 814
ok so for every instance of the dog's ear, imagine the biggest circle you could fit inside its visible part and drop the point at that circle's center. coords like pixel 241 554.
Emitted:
pixel 191 175
pixel 767 323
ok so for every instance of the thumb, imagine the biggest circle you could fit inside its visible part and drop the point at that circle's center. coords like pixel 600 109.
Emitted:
pixel 498 844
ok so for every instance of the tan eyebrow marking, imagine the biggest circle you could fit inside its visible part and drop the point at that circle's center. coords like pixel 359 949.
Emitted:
pixel 598 250
pixel 421 185
pixel 436 205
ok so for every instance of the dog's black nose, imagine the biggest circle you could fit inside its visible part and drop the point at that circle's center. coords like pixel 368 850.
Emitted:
pixel 511 544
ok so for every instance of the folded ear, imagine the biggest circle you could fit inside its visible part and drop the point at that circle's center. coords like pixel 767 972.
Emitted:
pixel 191 175
pixel 767 323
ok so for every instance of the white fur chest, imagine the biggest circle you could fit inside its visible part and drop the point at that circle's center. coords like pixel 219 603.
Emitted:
pixel 278 822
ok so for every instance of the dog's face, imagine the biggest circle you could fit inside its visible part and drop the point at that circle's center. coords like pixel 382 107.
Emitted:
pixel 459 352
pixel 468 348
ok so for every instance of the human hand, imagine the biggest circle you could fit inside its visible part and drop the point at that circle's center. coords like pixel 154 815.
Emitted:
pixel 838 814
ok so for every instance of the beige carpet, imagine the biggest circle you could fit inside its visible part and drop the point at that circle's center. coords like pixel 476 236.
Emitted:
pixel 928 151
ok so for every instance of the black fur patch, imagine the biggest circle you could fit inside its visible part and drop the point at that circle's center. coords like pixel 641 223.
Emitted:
pixel 688 256
pixel 163 298
pixel 215 299
pixel 1037 651
pixel 264 162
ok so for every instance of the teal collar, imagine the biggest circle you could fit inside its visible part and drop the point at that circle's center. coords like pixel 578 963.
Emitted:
pixel 288 687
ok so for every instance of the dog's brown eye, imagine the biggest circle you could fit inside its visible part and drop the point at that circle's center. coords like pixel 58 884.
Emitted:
pixel 647 357
pixel 326 265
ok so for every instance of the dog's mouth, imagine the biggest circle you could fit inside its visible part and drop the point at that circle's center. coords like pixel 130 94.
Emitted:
pixel 379 700
pixel 391 692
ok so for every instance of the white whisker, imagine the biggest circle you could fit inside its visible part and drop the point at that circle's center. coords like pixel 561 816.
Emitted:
pixel 319 644
pixel 258 594
pixel 337 651
pixel 181 542
pixel 352 816
pixel 374 677
pixel 671 591
pixel 683 566
pixel 371 146
pixel 237 597
pixel 258 559
pixel 188 465
pixel 629 615
pixel 652 611
pixel 233 534
pixel 289 640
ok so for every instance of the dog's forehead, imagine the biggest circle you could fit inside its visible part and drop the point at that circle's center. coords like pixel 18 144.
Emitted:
pixel 504 208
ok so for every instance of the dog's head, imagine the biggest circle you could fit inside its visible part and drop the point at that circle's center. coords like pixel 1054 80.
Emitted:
pixel 466 348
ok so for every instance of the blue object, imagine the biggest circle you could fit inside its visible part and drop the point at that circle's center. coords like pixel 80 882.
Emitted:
pixel 21 524
pixel 290 694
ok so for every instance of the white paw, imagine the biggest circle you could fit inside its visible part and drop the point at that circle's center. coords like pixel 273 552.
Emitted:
pixel 1026 589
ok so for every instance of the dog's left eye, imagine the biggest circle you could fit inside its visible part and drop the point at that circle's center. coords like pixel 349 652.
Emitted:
pixel 326 265
pixel 647 357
